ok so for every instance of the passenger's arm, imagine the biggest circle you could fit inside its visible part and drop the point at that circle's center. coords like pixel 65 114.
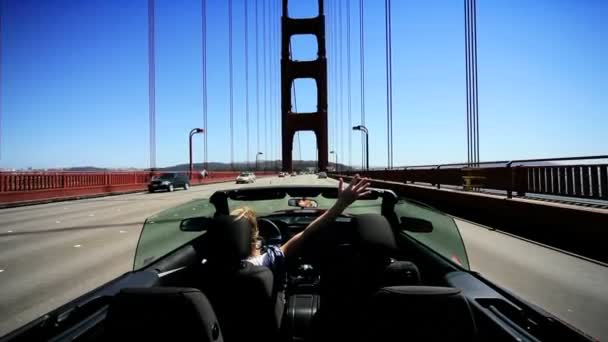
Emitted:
pixel 355 190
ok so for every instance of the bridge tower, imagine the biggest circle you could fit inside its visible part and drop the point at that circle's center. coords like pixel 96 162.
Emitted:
pixel 291 70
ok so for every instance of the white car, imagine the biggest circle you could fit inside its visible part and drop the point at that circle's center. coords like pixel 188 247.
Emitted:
pixel 245 177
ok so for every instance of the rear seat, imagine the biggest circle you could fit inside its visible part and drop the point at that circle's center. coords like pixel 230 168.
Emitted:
pixel 162 314
pixel 350 275
pixel 419 313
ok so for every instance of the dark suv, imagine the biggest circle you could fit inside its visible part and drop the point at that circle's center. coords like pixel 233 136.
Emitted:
pixel 169 181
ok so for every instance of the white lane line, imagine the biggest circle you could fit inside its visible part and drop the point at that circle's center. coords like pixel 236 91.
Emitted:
pixel 77 246
pixel 1 271
pixel 91 215
pixel 9 231
pixel 122 231
pixel 57 221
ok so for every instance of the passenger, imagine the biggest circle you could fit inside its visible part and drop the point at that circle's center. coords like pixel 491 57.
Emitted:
pixel 275 255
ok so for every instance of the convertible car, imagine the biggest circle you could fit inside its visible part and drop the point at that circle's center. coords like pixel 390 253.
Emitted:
pixel 388 269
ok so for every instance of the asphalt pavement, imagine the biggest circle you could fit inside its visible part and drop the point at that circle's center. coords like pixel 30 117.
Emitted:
pixel 573 289
pixel 52 253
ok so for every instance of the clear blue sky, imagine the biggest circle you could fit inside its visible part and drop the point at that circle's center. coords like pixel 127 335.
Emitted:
pixel 74 81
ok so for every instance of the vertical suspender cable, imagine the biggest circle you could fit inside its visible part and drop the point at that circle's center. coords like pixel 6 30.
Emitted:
pixel 247 84
pixel 471 83
pixel 330 62
pixel 278 79
pixel 151 84
pixel 264 74
pixel 389 84
pixel 231 84
pixel 348 79
pixel 257 77
pixel 468 87
pixel 362 78
pixel 475 90
pixel 204 76
pixel 340 82
pixel 270 86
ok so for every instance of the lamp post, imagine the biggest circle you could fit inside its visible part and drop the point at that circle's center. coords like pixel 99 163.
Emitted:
pixel 334 152
pixel 193 132
pixel 364 130
pixel 256 159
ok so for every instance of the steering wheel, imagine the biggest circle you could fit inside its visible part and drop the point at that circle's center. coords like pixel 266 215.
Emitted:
pixel 270 232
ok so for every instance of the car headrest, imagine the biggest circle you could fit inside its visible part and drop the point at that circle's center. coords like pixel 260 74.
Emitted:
pixel 401 273
pixel 373 233
pixel 229 239
pixel 162 314
pixel 420 313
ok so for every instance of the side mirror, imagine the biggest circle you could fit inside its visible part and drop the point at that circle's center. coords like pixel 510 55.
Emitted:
pixel 416 225
pixel 302 203
pixel 195 224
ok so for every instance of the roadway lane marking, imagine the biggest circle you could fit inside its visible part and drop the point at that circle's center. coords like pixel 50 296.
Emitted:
pixel 77 246
pixel 9 231
pixel 57 221
pixel 91 215
pixel 1 271
pixel 122 231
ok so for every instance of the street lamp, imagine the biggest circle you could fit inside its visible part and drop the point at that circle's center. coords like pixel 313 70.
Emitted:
pixel 364 130
pixel 334 152
pixel 193 132
pixel 256 160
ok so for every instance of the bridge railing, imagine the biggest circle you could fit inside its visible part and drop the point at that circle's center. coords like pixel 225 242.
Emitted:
pixel 587 178
pixel 36 186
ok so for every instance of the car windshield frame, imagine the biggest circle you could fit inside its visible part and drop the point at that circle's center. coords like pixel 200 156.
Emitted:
pixel 162 233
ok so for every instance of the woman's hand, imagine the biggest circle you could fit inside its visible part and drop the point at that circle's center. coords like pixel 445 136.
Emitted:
pixel 355 190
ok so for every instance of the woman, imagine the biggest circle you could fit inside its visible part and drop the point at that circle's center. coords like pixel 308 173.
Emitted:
pixel 274 255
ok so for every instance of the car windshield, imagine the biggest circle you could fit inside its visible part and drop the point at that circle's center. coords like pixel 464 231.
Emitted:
pixel 244 174
pixel 164 232
pixel 166 176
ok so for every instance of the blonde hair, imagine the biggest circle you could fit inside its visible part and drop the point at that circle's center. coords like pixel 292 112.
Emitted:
pixel 249 215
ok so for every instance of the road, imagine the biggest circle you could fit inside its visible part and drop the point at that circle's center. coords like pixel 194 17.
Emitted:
pixel 571 288
pixel 52 253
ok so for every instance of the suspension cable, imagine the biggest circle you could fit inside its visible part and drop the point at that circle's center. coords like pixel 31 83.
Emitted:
pixel 348 85
pixel 475 88
pixel 332 75
pixel 152 84
pixel 204 77
pixel 362 79
pixel 257 77
pixel 468 81
pixel 247 83
pixel 264 75
pixel 389 83
pixel 340 81
pixel 472 103
pixel 231 84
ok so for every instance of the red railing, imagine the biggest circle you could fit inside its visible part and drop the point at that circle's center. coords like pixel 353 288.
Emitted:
pixel 37 186
pixel 587 179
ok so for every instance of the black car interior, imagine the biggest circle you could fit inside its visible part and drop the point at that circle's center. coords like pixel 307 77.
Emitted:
pixel 364 280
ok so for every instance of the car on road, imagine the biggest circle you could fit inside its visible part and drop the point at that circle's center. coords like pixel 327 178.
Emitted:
pixel 282 174
pixel 169 182
pixel 245 178
pixel 322 175
pixel 293 174
pixel 388 269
